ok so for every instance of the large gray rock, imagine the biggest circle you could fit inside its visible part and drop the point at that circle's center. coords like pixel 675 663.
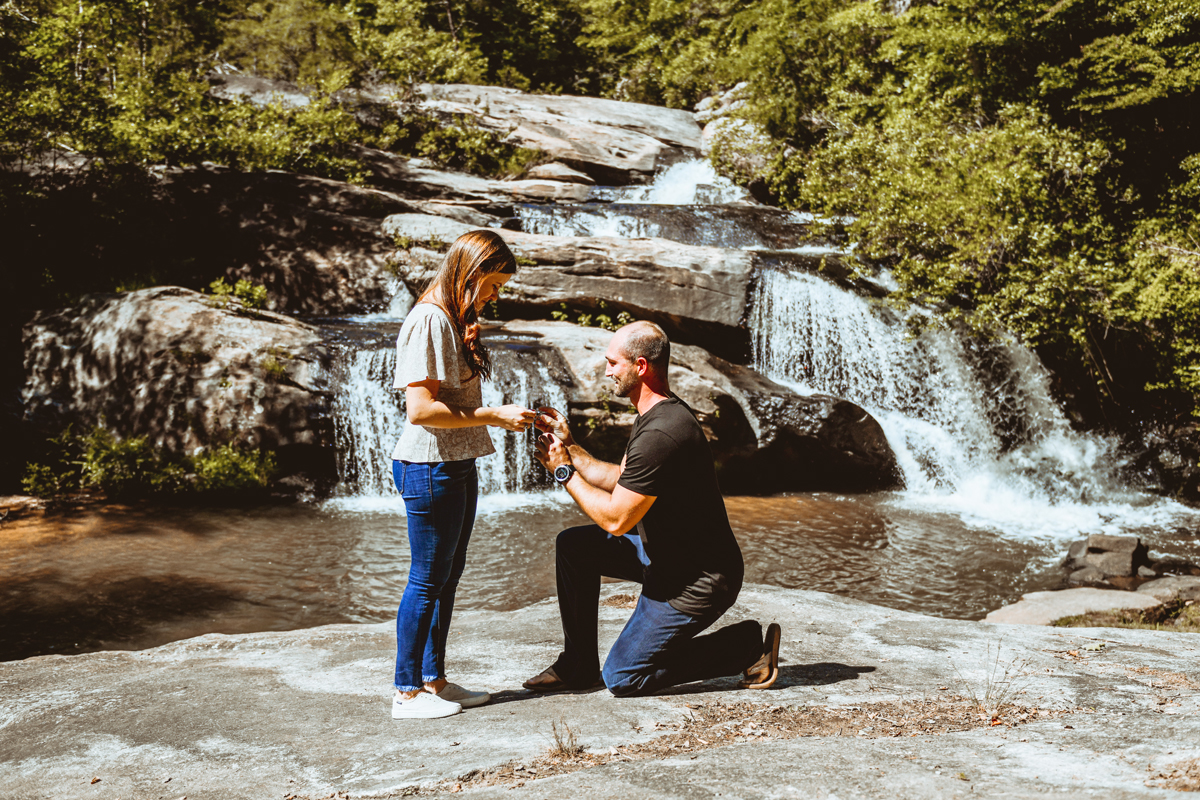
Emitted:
pixel 700 292
pixel 612 141
pixel 169 364
pixel 556 171
pixel 1170 588
pixel 418 178
pixel 764 437
pixel 305 714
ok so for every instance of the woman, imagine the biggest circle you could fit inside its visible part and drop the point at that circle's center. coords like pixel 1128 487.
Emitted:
pixel 440 363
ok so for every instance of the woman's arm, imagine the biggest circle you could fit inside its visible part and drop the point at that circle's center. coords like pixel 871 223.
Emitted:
pixel 426 410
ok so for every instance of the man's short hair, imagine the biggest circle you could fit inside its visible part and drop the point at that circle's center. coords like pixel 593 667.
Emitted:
pixel 647 340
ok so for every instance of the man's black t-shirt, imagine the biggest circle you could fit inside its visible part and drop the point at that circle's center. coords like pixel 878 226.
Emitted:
pixel 695 562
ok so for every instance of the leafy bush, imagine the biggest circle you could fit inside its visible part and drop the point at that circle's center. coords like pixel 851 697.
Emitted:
pixel 132 468
pixel 461 145
pixel 252 295
pixel 601 320
pixel 231 469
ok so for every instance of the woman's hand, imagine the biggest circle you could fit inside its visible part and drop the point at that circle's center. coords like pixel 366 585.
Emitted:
pixel 551 421
pixel 512 417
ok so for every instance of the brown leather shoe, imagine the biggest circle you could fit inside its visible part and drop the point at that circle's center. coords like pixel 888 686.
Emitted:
pixel 765 671
pixel 548 681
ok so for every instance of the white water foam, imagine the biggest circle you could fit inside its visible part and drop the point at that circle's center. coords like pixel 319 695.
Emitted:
pixel 973 425
pixel 685 183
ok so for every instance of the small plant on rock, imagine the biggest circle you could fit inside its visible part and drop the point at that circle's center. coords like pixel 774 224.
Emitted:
pixel 1002 682
pixel 566 743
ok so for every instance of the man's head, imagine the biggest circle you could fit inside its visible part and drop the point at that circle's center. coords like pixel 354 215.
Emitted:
pixel 638 354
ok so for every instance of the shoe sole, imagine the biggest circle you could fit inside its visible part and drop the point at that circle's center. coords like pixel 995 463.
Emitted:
pixel 474 702
pixel 771 645
pixel 425 716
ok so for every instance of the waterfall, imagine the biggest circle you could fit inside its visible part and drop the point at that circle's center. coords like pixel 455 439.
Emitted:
pixel 682 183
pixel 369 418
pixel 972 423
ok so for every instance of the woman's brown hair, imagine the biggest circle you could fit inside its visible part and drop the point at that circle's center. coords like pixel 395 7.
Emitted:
pixel 455 288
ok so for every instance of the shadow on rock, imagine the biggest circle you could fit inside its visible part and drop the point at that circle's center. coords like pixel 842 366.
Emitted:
pixel 822 674
pixel 42 611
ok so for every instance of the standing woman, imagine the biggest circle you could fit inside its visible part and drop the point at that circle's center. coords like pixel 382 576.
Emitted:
pixel 440 362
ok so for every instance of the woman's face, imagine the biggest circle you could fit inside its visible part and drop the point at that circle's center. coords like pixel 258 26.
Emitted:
pixel 489 288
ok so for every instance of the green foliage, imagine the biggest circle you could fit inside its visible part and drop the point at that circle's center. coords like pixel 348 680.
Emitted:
pixel 229 469
pixel 303 41
pixel 458 145
pixel 667 52
pixel 252 295
pixel 126 467
pixel 131 468
pixel 599 320
pixel 273 367
pixel 983 218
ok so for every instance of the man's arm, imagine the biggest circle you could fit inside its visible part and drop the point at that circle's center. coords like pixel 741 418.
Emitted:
pixel 616 511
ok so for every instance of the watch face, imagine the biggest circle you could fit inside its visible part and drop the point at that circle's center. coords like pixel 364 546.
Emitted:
pixel 563 474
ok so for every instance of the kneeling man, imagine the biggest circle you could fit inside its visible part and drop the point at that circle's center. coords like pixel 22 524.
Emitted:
pixel 660 520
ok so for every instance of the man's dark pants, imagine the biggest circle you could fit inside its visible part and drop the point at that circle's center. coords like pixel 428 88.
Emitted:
pixel 659 646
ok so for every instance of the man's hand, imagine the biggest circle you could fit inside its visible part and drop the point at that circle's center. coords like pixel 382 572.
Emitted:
pixel 551 421
pixel 551 452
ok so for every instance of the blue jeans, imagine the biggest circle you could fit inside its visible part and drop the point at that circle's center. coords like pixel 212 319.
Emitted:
pixel 659 646
pixel 440 500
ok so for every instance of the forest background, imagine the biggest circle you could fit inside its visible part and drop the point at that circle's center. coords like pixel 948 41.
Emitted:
pixel 1026 166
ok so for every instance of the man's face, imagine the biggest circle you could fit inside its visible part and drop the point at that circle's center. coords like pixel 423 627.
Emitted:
pixel 620 370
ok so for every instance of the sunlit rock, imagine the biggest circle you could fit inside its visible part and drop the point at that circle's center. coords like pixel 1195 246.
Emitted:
pixel 180 368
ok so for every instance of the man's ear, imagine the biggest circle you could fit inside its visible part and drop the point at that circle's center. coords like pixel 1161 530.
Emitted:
pixel 642 366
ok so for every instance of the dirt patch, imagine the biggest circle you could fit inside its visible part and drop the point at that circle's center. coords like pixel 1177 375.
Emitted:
pixel 1159 679
pixel 620 601
pixel 1183 776
pixel 708 725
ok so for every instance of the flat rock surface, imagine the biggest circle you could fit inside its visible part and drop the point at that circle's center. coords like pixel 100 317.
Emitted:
pixel 1042 608
pixel 306 714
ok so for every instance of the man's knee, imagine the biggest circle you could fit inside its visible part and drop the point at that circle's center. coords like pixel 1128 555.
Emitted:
pixel 575 540
pixel 623 681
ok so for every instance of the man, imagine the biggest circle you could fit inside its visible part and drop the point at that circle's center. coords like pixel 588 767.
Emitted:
pixel 660 520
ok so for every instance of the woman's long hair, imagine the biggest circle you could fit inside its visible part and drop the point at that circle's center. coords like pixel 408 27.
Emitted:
pixel 455 288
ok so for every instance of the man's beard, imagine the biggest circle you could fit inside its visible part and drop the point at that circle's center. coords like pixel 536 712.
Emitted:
pixel 623 384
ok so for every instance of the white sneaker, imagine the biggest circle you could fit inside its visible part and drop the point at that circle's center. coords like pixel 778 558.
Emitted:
pixel 464 697
pixel 423 706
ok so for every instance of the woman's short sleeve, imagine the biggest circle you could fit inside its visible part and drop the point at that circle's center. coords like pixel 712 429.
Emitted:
pixel 428 349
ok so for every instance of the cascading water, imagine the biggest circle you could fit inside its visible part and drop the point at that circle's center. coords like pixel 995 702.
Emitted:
pixel 683 183
pixel 973 424
pixel 369 418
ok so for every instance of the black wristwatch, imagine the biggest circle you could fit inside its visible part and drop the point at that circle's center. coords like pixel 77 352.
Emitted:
pixel 563 474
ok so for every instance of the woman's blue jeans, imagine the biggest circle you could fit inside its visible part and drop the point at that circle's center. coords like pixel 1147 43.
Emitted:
pixel 440 499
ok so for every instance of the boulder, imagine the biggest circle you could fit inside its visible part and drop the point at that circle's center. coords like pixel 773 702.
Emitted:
pixel 1170 588
pixel 1043 608
pixel 173 365
pixel 556 171
pixel 420 178
pixel 1169 459
pixel 697 293
pixel 1102 558
pixel 612 141
pixel 765 438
